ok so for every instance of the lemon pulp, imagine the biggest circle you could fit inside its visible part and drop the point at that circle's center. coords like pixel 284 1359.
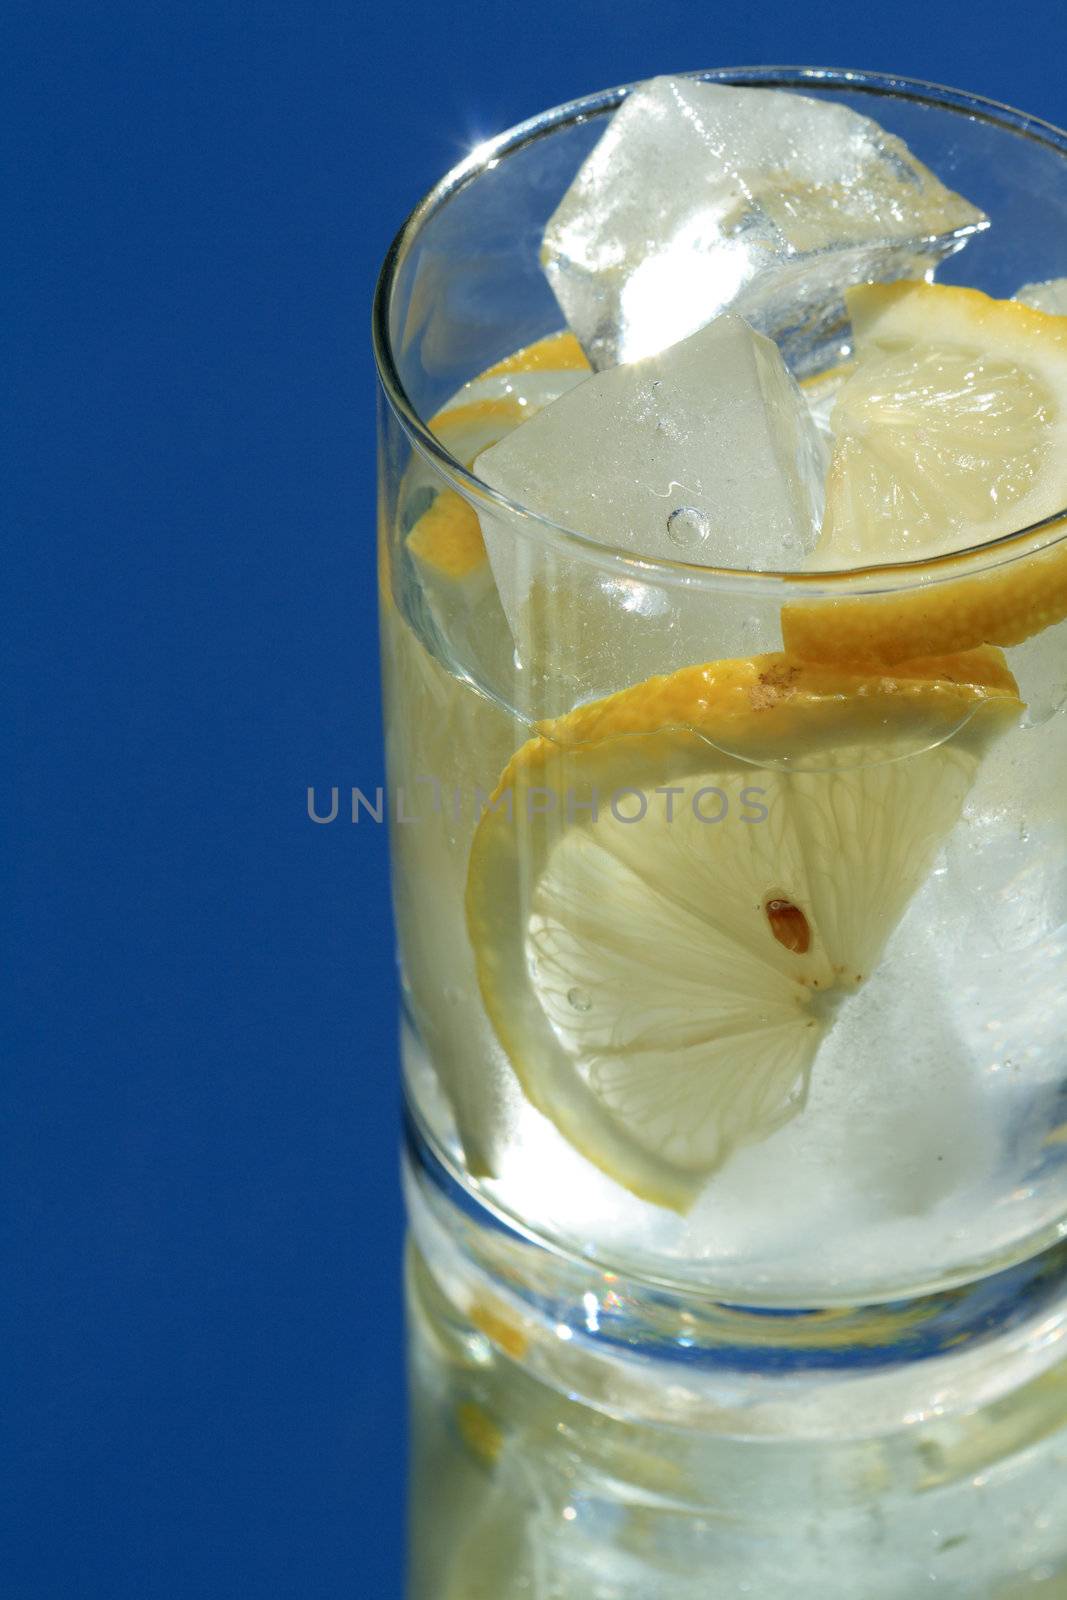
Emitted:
pixel 950 431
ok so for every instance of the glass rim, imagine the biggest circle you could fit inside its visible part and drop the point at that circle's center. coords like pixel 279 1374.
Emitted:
pixel 873 578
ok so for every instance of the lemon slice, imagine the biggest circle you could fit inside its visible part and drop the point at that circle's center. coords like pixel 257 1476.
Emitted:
pixel 446 542
pixel 662 927
pixel 556 352
pixel 949 432
pixel 952 428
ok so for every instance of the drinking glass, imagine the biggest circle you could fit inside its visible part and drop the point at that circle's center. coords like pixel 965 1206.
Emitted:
pixel 834 1367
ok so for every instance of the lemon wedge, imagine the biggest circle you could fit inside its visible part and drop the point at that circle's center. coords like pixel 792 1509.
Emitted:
pixel 949 432
pixel 671 889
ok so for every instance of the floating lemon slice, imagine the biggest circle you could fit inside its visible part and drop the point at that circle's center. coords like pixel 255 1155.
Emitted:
pixel 949 432
pixel 662 926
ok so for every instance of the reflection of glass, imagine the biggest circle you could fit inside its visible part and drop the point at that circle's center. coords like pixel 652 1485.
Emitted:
pixel 931 1154
pixel 541 1472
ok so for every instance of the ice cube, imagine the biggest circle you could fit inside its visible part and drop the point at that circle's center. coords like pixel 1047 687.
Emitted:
pixel 700 197
pixel 705 454
pixel 485 409
pixel 446 585
pixel 1048 296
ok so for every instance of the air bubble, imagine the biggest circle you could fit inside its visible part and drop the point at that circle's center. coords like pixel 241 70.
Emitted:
pixel 688 526
pixel 579 1000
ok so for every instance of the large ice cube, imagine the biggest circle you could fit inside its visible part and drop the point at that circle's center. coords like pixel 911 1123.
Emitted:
pixel 706 454
pixel 1051 295
pixel 700 197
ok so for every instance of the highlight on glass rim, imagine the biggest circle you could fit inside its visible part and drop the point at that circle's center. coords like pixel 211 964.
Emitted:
pixel 723 559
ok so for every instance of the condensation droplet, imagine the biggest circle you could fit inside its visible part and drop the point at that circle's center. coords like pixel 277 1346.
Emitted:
pixel 578 1000
pixel 688 526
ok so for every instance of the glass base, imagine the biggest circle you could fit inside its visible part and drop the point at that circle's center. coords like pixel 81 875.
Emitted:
pixel 577 1434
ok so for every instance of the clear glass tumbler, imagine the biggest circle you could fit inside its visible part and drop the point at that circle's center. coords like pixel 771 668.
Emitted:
pixel 830 1363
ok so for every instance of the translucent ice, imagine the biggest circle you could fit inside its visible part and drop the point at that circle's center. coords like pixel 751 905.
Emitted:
pixel 700 197
pixel 1048 296
pixel 704 454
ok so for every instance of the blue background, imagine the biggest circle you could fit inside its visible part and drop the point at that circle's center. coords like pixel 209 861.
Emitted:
pixel 202 1290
